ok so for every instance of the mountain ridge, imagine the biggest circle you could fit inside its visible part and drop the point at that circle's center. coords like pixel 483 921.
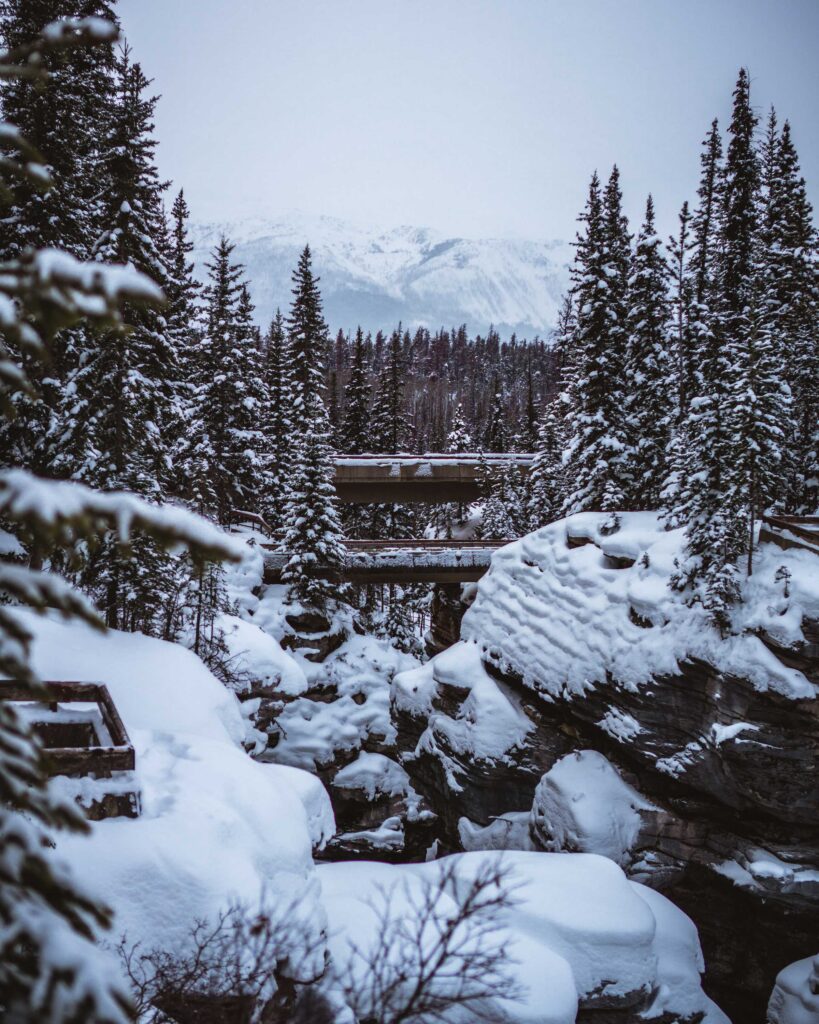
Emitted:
pixel 416 275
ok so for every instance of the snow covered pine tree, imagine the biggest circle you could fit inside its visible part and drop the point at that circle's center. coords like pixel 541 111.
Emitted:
pixel 314 535
pixel 51 972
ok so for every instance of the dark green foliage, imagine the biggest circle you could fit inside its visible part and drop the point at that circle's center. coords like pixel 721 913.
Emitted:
pixel 356 435
pixel 650 399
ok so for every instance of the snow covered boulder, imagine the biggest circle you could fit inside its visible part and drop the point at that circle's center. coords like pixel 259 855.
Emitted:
pixel 583 804
pixel 465 739
pixel 578 629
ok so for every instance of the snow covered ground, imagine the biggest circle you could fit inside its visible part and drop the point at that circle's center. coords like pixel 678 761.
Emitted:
pixel 217 826
pixel 576 927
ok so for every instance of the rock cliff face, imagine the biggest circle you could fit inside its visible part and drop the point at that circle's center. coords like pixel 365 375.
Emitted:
pixel 576 643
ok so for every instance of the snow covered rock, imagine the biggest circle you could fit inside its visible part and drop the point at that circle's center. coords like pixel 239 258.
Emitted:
pixel 583 804
pixel 714 739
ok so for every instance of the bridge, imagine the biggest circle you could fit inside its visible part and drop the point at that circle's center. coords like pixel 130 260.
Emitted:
pixel 400 561
pixel 433 478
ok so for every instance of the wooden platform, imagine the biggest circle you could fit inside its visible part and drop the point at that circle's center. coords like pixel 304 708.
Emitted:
pixel 76 745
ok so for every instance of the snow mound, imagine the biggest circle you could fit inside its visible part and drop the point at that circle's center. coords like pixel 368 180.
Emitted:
pixel 582 804
pixel 374 774
pixel 488 723
pixel 216 827
pixel 577 929
pixel 574 603
pixel 795 998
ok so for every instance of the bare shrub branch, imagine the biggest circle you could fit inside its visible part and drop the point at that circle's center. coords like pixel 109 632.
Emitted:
pixel 439 957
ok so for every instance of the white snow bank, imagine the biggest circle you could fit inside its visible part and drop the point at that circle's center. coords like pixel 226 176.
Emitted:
pixel 795 998
pixel 354 893
pixel 581 907
pixel 577 927
pixel 258 656
pixel 216 826
pixel 679 962
pixel 563 617
pixel 374 774
pixel 584 805
pixel 488 723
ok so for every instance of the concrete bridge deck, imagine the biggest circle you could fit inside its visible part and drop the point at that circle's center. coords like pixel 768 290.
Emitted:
pixel 402 561
pixel 429 478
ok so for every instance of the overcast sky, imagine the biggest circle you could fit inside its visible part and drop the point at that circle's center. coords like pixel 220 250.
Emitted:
pixel 477 117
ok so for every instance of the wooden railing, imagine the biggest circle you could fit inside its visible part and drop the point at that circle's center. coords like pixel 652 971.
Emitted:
pixel 98 757
pixel 791 531
pixel 239 515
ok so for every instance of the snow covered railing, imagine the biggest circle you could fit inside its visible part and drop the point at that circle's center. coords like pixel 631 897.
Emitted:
pixel 77 741
pixel 403 561
pixel 237 516
pixel 439 458
pixel 791 531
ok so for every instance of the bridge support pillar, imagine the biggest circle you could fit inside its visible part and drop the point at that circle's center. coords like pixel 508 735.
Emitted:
pixel 446 611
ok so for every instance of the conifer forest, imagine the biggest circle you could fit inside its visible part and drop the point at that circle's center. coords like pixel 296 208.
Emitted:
pixel 431 674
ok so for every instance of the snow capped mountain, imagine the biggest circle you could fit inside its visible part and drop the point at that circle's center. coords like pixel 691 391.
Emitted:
pixel 418 276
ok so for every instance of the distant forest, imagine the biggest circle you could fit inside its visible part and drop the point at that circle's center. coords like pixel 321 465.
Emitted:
pixel 500 386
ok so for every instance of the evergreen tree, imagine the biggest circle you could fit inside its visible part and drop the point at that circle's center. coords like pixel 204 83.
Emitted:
pixel 547 485
pixel 65 123
pixel 502 506
pixel 792 319
pixel 276 423
pixel 314 535
pixel 399 626
pixel 307 333
pixel 597 431
pixel 697 451
pixel 459 439
pixel 118 414
pixel 649 400
pixel 389 424
pixel 495 437
pixel 183 330
pixel 50 966
pixel 356 436
pixel 223 457
pixel 731 416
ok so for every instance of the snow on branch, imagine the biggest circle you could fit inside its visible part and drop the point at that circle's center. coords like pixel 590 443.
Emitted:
pixel 63 511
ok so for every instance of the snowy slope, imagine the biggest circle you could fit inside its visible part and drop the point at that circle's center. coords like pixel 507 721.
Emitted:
pixel 414 275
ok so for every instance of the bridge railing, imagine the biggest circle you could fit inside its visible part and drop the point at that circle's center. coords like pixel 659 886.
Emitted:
pixel 409 554
pixel 238 516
